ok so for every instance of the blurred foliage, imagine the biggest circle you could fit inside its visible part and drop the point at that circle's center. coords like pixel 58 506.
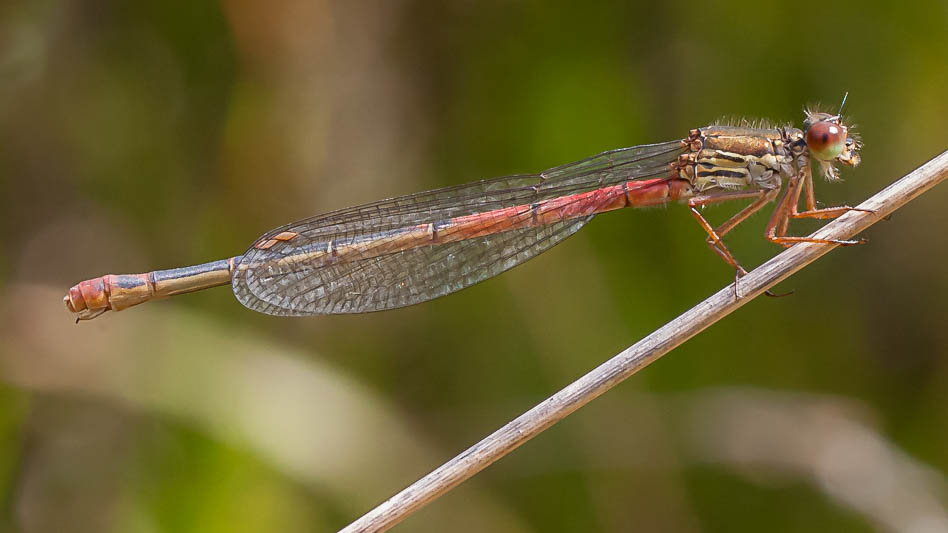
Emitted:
pixel 136 136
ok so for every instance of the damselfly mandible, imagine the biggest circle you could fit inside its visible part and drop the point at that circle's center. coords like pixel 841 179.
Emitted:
pixel 413 248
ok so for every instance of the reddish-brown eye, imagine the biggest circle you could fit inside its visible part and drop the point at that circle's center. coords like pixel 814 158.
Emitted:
pixel 826 140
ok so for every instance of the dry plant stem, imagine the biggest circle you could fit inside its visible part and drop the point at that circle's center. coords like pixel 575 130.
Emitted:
pixel 657 344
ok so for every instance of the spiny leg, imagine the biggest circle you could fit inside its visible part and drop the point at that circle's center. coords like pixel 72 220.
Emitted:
pixel 729 224
pixel 787 208
pixel 714 238
pixel 764 197
pixel 811 210
pixel 791 197
pixel 761 198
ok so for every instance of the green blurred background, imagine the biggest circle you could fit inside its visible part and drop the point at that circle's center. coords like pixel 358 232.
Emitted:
pixel 139 136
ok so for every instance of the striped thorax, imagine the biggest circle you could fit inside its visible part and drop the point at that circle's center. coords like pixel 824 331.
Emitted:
pixel 736 158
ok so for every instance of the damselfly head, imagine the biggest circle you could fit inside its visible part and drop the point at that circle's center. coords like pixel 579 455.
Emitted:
pixel 830 141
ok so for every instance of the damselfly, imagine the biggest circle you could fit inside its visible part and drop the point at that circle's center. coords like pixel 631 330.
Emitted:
pixel 414 248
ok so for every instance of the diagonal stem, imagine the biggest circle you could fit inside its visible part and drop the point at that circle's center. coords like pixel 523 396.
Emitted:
pixel 649 349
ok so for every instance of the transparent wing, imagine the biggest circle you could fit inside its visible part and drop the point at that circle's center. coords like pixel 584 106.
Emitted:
pixel 398 279
pixel 368 258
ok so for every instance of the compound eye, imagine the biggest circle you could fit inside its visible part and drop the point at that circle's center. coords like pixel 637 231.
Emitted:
pixel 826 140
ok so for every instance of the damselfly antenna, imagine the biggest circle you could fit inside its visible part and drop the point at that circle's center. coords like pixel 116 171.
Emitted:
pixel 840 112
